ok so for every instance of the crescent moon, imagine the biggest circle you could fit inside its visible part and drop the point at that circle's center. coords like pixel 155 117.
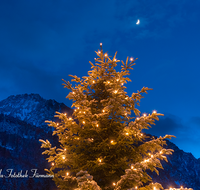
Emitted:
pixel 138 22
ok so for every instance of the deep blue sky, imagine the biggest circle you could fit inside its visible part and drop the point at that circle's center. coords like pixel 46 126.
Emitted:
pixel 42 42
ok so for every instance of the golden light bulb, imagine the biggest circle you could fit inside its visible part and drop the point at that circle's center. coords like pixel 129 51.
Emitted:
pixel 67 173
pixel 141 134
pixel 115 91
pixel 103 110
pixel 75 110
pixel 100 44
pixel 99 160
pixel 92 139
pixel 137 118
pixel 135 187
pixel 63 157
pixel 106 55
pixel 154 111
pixel 132 167
pixel 114 184
pixel 83 122
pixel 99 52
pixel 78 138
pixel 117 79
pixel 97 125
pixel 70 118
pixel 52 164
pixel 108 82
pixel 131 59
pixel 144 115
pixel 151 156
pixel 57 124
pixel 126 133
pixel 181 187
pixel 111 141
pixel 126 98
pixel 65 149
pixel 125 113
pixel 122 84
pixel 73 92
pixel 93 81
pixel 161 152
pixel 84 112
pixel 65 114
pixel 115 60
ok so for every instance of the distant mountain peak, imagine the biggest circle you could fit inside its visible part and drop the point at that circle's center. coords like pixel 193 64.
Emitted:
pixel 32 108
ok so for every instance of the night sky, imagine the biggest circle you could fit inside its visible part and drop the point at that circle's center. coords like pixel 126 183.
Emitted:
pixel 42 42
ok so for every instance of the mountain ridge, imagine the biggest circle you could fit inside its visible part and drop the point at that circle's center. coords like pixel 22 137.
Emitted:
pixel 22 125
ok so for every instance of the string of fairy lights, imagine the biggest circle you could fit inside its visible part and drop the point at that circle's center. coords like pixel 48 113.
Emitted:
pixel 112 142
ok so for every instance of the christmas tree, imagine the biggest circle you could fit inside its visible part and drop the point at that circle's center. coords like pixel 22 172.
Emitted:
pixel 102 146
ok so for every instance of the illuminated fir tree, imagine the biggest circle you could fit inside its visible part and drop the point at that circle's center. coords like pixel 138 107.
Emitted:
pixel 102 146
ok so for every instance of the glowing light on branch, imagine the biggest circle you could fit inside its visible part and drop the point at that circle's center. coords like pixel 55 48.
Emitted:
pixel 115 91
pixel 67 173
pixel 99 52
pixel 131 59
pixel 83 122
pixel 63 157
pixel 93 81
pixel 97 125
pixel 144 115
pixel 52 164
pixel 106 55
pixel 114 184
pixel 154 111
pixel 100 44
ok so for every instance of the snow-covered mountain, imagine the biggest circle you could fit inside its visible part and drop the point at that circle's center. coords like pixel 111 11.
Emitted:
pixel 32 108
pixel 22 125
